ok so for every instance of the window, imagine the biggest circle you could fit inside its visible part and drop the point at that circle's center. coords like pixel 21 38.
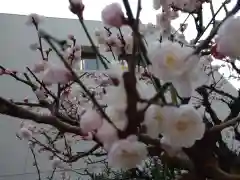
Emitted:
pixel 89 59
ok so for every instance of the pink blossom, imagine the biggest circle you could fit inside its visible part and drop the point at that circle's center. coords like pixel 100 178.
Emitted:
pixel 113 15
pixel 88 137
pixel 54 75
pixel 25 133
pixel 40 66
pixel 9 72
pixel 90 121
pixel 76 7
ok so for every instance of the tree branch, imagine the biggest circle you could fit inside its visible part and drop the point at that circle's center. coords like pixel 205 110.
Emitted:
pixel 10 109
pixel 219 92
pixel 205 43
pixel 226 124
pixel 203 92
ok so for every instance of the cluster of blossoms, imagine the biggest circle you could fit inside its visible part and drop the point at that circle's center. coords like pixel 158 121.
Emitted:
pixel 170 12
pixel 179 126
pixel 184 5
pixel 112 42
pixel 52 74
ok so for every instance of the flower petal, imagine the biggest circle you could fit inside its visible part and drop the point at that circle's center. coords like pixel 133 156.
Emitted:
pixel 183 86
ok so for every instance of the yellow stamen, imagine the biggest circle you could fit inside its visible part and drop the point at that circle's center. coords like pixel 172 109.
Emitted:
pixel 129 154
pixel 124 68
pixel 159 116
pixel 182 125
pixel 170 61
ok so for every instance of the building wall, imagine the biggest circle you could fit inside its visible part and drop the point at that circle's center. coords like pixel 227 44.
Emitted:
pixel 15 38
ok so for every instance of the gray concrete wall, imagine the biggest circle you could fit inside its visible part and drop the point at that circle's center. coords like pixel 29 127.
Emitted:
pixel 15 38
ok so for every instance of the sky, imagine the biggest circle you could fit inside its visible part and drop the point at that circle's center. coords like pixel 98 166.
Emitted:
pixel 59 9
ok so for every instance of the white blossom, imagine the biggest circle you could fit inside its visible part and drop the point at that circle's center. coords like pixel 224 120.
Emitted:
pixel 101 36
pixel 183 125
pixel 127 153
pixel 163 22
pixel 117 45
pixel 116 70
pixel 113 43
pixel 116 97
pixel 90 121
pixel 153 121
pixel 145 91
pixel 173 63
pixel 228 37
pixel 107 134
pixel 119 118
pixel 200 74
pixel 128 44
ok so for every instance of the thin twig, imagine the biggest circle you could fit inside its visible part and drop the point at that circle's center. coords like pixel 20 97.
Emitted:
pixel 35 163
pixel 214 31
pixel 84 154
pixel 20 79
pixel 92 43
pixel 89 94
